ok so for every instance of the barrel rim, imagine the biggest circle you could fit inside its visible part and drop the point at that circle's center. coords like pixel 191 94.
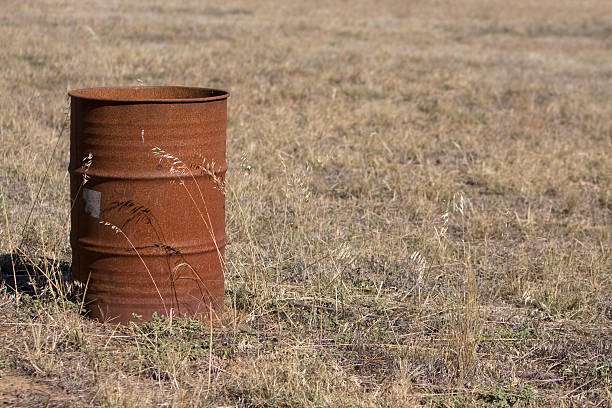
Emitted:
pixel 109 93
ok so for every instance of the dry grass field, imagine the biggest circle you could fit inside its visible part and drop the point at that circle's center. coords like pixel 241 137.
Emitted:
pixel 419 203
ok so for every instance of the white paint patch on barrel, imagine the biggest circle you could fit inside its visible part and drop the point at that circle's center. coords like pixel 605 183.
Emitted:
pixel 92 202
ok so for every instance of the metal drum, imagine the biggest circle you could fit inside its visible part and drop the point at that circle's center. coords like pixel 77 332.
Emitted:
pixel 147 168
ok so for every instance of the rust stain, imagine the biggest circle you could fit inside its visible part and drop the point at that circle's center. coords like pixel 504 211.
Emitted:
pixel 147 167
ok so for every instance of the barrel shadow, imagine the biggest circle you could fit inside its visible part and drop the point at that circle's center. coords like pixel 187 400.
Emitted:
pixel 34 276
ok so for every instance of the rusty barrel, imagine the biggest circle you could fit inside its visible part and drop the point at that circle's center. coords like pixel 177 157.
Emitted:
pixel 147 169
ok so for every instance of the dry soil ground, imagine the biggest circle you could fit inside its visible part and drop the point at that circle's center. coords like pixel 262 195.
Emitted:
pixel 418 202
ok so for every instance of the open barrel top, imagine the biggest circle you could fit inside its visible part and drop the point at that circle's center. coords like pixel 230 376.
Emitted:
pixel 155 94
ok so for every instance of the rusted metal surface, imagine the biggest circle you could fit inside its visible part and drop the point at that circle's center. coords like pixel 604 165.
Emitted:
pixel 147 168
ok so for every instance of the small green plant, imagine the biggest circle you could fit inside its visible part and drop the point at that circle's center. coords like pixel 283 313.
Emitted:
pixel 164 347
pixel 497 395
pixel 504 396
